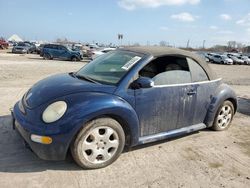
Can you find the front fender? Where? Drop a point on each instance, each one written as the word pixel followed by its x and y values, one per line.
pixel 90 105
pixel 222 93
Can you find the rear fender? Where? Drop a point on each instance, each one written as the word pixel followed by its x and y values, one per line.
pixel 222 93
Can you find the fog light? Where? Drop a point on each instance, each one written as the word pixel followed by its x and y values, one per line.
pixel 41 139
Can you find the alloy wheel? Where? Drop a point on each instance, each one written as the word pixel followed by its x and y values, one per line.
pixel 100 144
pixel 224 117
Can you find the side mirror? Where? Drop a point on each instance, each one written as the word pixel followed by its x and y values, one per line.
pixel 142 82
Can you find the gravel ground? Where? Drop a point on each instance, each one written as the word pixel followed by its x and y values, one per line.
pixel 202 159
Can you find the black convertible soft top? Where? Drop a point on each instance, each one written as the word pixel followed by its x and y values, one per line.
pixel 157 51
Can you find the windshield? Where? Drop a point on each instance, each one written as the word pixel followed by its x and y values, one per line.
pixel 109 68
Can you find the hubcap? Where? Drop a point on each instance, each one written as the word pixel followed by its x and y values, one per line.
pixel 100 144
pixel 224 116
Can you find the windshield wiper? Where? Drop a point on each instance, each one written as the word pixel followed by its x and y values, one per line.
pixel 86 78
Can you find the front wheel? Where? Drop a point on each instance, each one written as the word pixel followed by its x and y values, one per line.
pixel 98 144
pixel 74 59
pixel 224 116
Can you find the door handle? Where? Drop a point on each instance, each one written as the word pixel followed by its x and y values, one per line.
pixel 191 92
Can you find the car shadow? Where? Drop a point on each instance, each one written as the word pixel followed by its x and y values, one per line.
pixel 243 106
pixel 16 158
pixel 36 58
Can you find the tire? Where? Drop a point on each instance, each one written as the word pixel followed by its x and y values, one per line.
pixel 98 144
pixel 46 56
pixel 224 116
pixel 74 58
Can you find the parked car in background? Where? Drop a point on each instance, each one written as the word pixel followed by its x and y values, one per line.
pixel 12 43
pixel 246 59
pixel 236 60
pixel 77 47
pixel 203 56
pixel 51 51
pixel 33 48
pixel 91 48
pixel 22 48
pixel 126 97
pixel 222 59
pixel 210 56
pixel 96 53
pixel 39 48
pixel 3 44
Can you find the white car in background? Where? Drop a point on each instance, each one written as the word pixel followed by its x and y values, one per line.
pixel 210 56
pixel 96 53
pixel 236 60
pixel 245 59
pixel 221 59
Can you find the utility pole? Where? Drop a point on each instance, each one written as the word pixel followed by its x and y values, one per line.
pixel 188 43
pixel 204 41
pixel 120 37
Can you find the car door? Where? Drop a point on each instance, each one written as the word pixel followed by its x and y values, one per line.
pixel 54 50
pixel 204 89
pixel 63 53
pixel 168 104
pixel 217 58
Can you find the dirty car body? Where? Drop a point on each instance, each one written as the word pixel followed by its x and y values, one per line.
pixel 150 100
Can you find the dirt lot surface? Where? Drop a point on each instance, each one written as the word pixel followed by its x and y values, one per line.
pixel 202 159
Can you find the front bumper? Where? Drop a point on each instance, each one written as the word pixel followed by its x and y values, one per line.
pixel 57 150
pixel 19 51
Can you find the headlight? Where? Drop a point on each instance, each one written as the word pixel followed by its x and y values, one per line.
pixel 54 111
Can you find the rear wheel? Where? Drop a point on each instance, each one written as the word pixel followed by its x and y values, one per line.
pixel 46 56
pixel 98 144
pixel 224 116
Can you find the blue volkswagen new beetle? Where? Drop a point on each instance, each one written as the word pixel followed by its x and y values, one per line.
pixel 126 97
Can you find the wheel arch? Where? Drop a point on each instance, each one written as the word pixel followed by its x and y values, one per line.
pixel 223 93
pixel 234 102
pixel 125 127
pixel 105 105
pixel 124 124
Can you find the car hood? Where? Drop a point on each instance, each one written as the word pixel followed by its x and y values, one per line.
pixel 61 85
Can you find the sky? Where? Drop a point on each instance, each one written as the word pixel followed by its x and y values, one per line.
pixel 140 21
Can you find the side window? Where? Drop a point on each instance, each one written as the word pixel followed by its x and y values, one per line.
pixel 197 72
pixel 56 47
pixel 61 48
pixel 167 70
pixel 52 46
